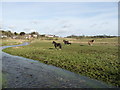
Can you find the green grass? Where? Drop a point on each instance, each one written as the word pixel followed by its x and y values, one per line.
pixel 99 61
pixel 0 80
pixel 4 81
pixel 5 42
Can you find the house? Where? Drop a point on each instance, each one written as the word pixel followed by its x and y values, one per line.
pixel 14 37
pixel 3 36
pixel 34 36
pixel 28 36
pixel 31 36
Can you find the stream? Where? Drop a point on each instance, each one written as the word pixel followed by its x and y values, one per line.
pixel 19 72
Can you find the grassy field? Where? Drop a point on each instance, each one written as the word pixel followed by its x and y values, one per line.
pixel 5 42
pixel 99 61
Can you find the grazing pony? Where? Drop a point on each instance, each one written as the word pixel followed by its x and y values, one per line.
pixel 57 45
pixel 90 42
pixel 66 42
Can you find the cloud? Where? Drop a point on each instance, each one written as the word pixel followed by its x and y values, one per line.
pixel 11 26
pixel 35 21
pixel 62 31
pixel 74 25
pixel 70 18
pixel 100 24
pixel 93 25
pixel 1 26
pixel 28 30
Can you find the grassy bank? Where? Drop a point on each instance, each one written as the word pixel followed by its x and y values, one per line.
pixel 99 61
pixel 5 42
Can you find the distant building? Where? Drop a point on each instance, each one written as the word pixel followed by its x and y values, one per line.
pixel 14 37
pixel 3 36
pixel 31 36
pixel 34 35
pixel 28 36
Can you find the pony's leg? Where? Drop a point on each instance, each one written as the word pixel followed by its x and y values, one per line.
pixel 55 46
pixel 60 47
pixel 89 43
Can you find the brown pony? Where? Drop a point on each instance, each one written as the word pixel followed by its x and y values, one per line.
pixel 91 42
pixel 66 42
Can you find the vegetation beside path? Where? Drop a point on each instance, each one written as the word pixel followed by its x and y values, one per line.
pixel 99 61
pixel 6 42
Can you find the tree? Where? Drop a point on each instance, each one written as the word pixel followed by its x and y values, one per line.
pixel 9 33
pixel 15 33
pixel 34 33
pixel 22 33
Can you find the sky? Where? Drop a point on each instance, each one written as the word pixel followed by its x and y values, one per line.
pixel 60 18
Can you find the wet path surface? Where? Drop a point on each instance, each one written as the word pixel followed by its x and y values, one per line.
pixel 26 73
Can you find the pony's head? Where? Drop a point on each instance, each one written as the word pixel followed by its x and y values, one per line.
pixel 92 40
pixel 53 42
pixel 63 40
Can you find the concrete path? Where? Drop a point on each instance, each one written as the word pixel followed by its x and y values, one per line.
pixel 21 72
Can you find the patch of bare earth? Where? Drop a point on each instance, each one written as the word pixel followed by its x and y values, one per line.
pixel 17 47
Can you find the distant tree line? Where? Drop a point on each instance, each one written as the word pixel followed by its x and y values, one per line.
pixel 10 34
pixel 97 36
pixel 103 36
pixel 74 36
pixel 7 33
